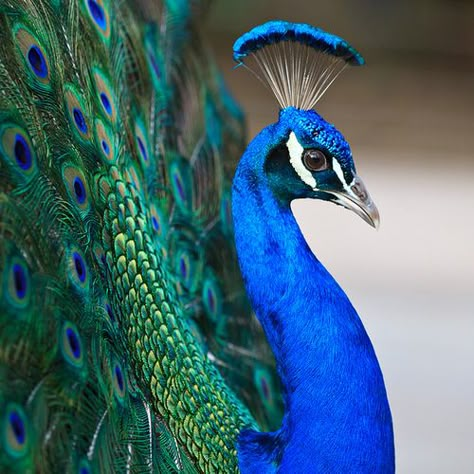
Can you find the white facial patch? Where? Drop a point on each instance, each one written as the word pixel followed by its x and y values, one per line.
pixel 340 174
pixel 295 151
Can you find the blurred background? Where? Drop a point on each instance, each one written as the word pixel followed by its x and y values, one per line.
pixel 409 117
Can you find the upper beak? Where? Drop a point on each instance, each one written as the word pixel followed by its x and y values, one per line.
pixel 356 198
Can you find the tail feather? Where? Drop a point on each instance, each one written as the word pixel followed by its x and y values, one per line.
pixel 126 340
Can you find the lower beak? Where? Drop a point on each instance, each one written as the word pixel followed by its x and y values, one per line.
pixel 356 198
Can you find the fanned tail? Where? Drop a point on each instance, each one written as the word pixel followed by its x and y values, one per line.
pixel 126 341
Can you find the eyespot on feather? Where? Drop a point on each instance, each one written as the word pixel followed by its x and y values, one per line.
pixel 153 53
pixel 76 112
pixel 105 142
pixel 77 270
pixel 84 467
pixel 211 295
pixel 105 95
pixel 264 385
pixel 16 146
pixel 185 268
pixel 18 283
pixel 15 431
pixel 34 56
pixel 77 187
pixel 142 146
pixel 119 381
pixel 79 266
pixel 158 223
pixel 181 184
pixel 71 345
pixel 99 15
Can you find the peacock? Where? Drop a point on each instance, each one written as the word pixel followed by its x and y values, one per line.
pixel 160 310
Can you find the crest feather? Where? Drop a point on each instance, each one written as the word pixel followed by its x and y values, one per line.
pixel 298 62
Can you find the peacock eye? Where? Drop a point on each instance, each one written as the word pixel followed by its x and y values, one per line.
pixel 315 160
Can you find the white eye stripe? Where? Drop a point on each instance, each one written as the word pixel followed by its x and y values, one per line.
pixel 295 151
pixel 340 174
pixel 338 170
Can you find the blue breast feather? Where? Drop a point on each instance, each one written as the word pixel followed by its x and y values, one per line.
pixel 337 417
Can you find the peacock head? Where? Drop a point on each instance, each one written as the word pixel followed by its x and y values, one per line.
pixel 305 155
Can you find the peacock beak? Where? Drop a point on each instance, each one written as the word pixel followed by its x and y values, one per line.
pixel 355 197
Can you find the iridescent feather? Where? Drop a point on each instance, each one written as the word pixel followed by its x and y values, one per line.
pixel 127 343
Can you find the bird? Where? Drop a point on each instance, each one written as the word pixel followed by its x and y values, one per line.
pixel 160 310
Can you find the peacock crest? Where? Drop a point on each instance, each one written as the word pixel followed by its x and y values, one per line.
pixel 296 61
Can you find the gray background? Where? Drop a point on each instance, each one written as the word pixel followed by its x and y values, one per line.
pixel 409 118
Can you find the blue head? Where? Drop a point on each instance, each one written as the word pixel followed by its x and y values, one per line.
pixel 302 155
pixel 308 157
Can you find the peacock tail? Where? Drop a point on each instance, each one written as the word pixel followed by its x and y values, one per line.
pixel 127 343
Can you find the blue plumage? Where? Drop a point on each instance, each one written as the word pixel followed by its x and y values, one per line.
pixel 337 417
pixel 311 127
pixel 279 31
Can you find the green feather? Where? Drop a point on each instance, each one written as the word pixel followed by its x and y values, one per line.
pixel 127 343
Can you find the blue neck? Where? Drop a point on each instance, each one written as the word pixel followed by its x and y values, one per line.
pixel 337 417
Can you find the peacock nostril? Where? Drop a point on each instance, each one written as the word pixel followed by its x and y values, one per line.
pixel 359 191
